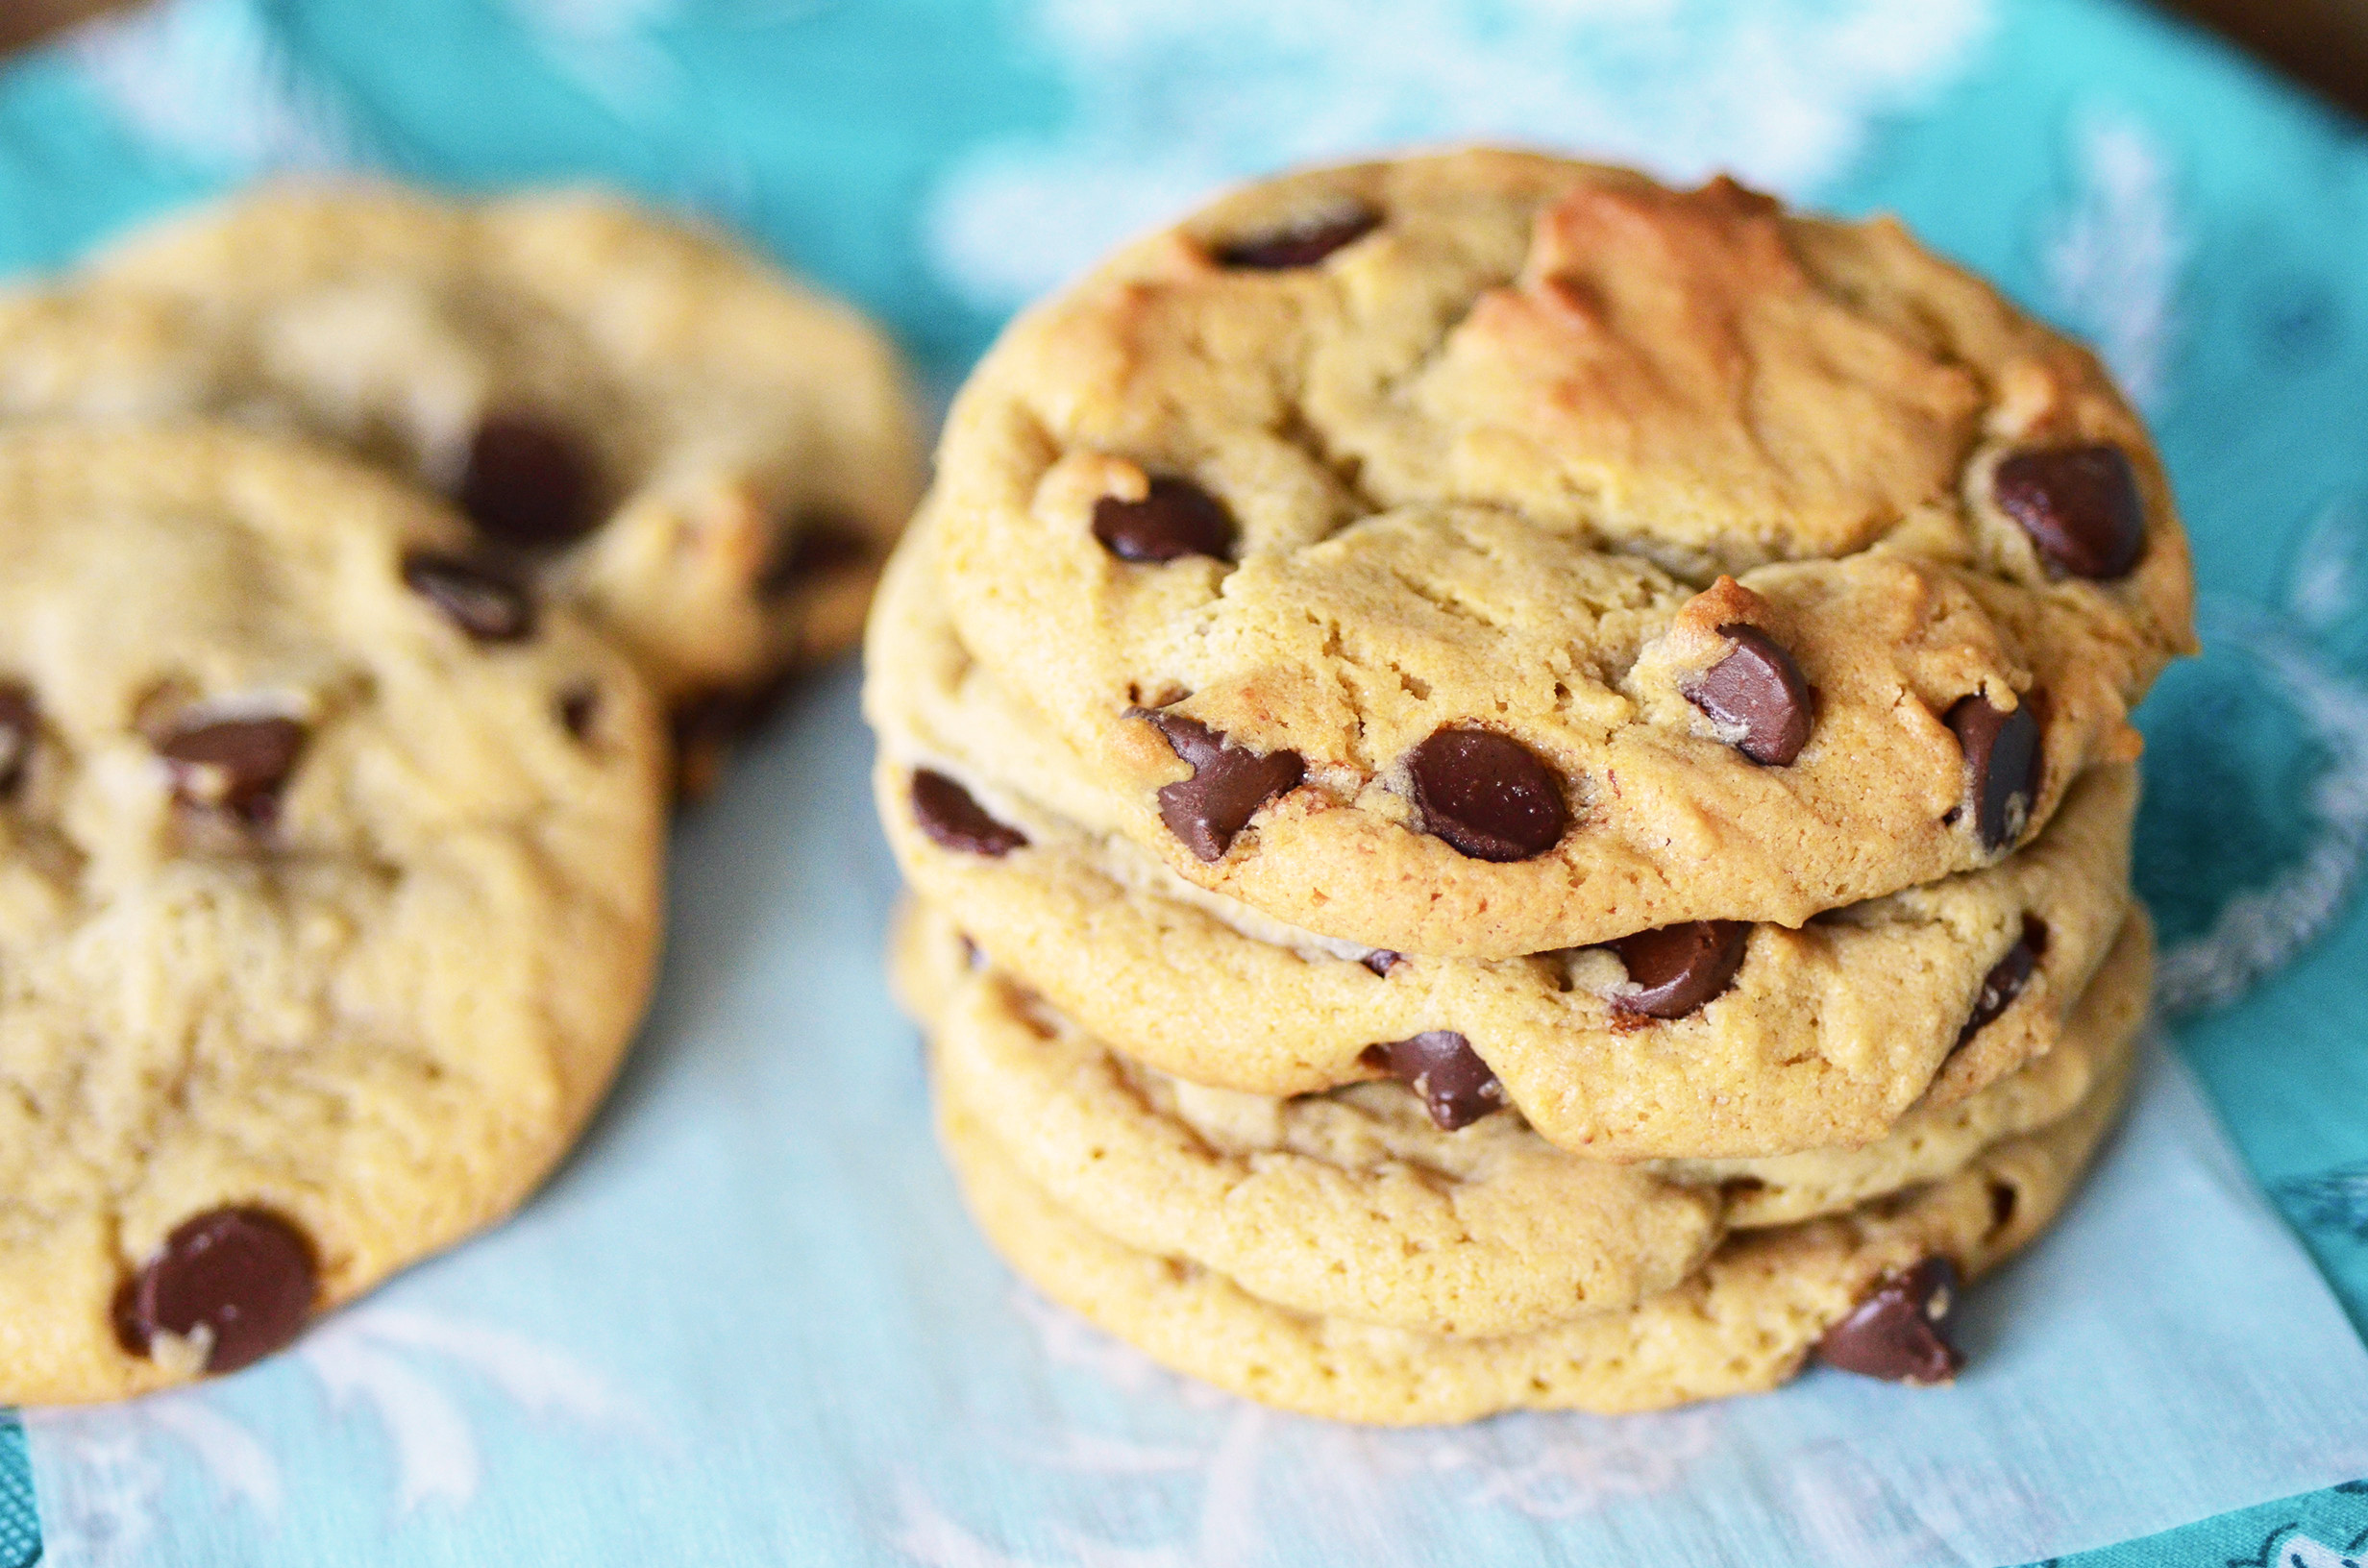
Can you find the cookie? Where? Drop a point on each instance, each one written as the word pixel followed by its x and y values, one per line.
pixel 701 455
pixel 1933 1138
pixel 1766 1040
pixel 1870 1290
pixel 1355 1205
pixel 329 895
pixel 1556 555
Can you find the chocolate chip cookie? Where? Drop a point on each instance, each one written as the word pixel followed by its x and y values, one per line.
pixel 1871 1290
pixel 329 893
pixel 1356 1205
pixel 1485 555
pixel 1709 1039
pixel 657 428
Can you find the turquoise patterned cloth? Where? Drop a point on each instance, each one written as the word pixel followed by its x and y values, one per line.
pixel 747 1324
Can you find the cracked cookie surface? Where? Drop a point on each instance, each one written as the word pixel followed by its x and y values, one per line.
pixel 705 457
pixel 329 895
pixel 1555 555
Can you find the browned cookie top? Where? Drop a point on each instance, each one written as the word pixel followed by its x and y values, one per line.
pixel 1488 554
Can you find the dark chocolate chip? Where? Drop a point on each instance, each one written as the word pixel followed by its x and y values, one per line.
pixel 577 708
pixel 1757 689
pixel 245 1275
pixel 482 602
pixel 2002 764
pixel 953 820
pixel 1382 962
pixel 1228 785
pixel 2006 979
pixel 815 544
pixel 1439 1066
pixel 1176 517
pixel 528 484
pixel 20 724
pixel 1302 244
pixel 2080 505
pixel 2002 1201
pixel 1486 794
pixel 1680 967
pixel 1900 1332
pixel 236 766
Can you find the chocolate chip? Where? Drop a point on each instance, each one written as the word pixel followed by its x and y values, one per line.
pixel 1301 244
pixel 527 484
pixel 1176 517
pixel 953 820
pixel 481 601
pixel 1680 967
pixel 1383 962
pixel 1228 785
pixel 2002 1201
pixel 815 544
pixel 2006 979
pixel 2001 762
pixel 20 724
pixel 1758 689
pixel 1900 1332
pixel 245 1275
pixel 577 708
pixel 1439 1066
pixel 2080 505
pixel 236 766
pixel 1486 794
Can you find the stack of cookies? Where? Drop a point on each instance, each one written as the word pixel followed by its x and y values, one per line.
pixel 356 549
pixel 1519 788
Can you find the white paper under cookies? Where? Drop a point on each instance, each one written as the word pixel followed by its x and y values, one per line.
pixel 750 1325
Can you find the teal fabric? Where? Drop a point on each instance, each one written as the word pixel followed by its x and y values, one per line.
pixel 20 1524
pixel 938 160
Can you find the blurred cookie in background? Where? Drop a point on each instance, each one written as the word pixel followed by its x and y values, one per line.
pixel 644 419
pixel 330 880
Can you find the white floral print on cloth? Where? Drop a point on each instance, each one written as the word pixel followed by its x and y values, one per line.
pixel 1779 93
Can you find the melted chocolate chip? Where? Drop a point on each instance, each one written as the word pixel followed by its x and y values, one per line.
pixel 1228 785
pixel 1176 517
pixel 1900 1331
pixel 1383 962
pixel 484 603
pixel 20 724
pixel 1680 967
pixel 2002 1202
pixel 528 484
pixel 945 812
pixel 2006 979
pixel 2080 505
pixel 1758 689
pixel 244 1276
pixel 1439 1066
pixel 2002 760
pixel 1301 244
pixel 816 544
pixel 1486 794
pixel 236 766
